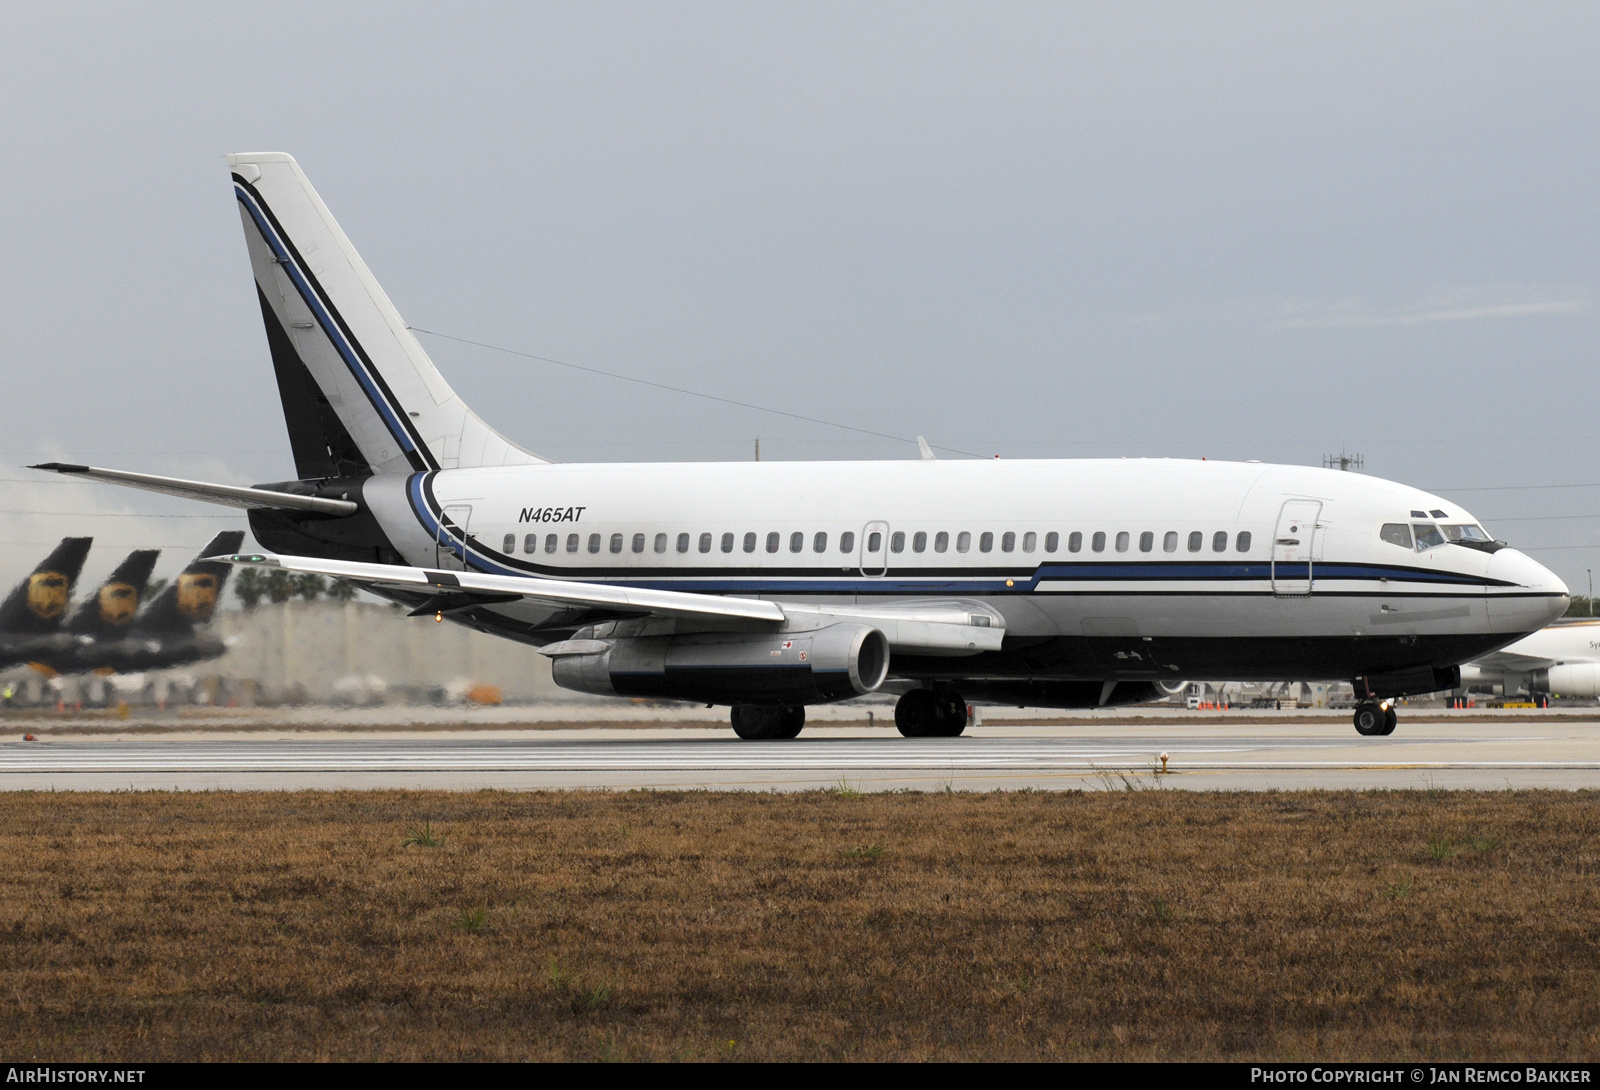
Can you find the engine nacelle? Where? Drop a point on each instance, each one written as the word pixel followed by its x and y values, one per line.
pixel 832 663
pixel 1567 679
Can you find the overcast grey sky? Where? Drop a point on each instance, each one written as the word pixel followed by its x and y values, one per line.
pixel 1058 230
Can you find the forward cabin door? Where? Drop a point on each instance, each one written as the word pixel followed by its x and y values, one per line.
pixel 1295 548
pixel 449 553
pixel 875 549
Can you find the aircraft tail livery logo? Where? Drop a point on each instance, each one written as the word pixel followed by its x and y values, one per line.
pixel 47 594
pixel 118 603
pixel 197 595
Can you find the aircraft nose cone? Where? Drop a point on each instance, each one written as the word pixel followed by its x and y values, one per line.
pixel 1527 612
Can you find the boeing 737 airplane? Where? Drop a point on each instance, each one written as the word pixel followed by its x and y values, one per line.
pixel 769 586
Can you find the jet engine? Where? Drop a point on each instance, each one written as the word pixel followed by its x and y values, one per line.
pixel 815 667
pixel 1567 679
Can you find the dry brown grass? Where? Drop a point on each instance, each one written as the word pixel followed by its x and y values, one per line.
pixel 706 926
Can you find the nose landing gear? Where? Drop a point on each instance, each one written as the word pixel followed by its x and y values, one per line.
pixel 923 713
pixel 1375 718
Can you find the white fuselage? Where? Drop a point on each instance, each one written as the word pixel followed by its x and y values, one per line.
pixel 1121 550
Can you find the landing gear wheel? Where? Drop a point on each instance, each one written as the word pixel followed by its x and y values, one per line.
pixel 1370 719
pixel 923 713
pixel 952 715
pixel 760 722
pixel 1390 719
pixel 916 714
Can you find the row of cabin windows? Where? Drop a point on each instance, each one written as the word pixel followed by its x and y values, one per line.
pixel 897 542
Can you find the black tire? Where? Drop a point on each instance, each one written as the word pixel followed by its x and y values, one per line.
pixel 1390 720
pixel 760 722
pixel 952 716
pixel 1369 719
pixel 791 722
pixel 916 714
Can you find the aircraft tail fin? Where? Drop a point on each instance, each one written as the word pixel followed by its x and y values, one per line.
pixel 38 604
pixel 112 609
pixel 194 595
pixel 360 396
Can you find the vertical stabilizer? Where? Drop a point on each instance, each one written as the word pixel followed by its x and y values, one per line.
pixel 39 603
pixel 359 394
pixel 193 597
pixel 108 614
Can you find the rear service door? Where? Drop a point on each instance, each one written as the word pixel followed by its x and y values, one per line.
pixel 1295 547
pixel 449 552
pixel 875 549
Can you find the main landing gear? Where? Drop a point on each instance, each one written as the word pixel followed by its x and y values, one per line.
pixel 923 713
pixel 760 722
pixel 1375 717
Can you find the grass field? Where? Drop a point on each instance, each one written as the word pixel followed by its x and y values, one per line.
pixel 396 925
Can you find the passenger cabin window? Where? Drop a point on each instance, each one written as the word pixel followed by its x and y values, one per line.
pixel 797 541
pixel 1428 535
pixel 1219 541
pixel 750 541
pixel 1008 542
pixel 874 541
pixel 847 542
pixel 819 544
pixel 727 542
pixel 986 542
pixel 1075 542
pixel 509 545
pixel 616 542
pixel 941 541
pixel 638 543
pixel 1242 543
pixel 1098 542
pixel 551 541
pixel 705 543
pixel 1197 541
pixel 1147 541
pixel 1396 533
pixel 919 542
pixel 1169 544
pixel 1029 541
pixel 661 543
pixel 530 543
pixel 683 544
pixel 897 541
pixel 572 543
pixel 774 539
pixel 963 541
pixel 594 543
pixel 1122 541
pixel 1052 541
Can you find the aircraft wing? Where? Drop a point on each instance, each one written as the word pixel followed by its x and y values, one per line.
pixel 1510 660
pixel 453 590
pixel 950 627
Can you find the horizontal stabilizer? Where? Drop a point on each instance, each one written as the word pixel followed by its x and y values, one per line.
pixel 225 494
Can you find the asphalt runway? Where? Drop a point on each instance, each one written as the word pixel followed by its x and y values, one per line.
pixel 1559 753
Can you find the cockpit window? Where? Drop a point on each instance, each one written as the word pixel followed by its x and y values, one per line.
pixel 1428 535
pixel 1396 533
pixel 1465 531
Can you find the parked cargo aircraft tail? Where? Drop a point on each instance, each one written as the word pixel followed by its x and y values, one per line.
pixel 112 609
pixel 193 596
pixel 38 604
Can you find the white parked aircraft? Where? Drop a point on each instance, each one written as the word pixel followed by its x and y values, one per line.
pixel 1562 660
pixel 769 586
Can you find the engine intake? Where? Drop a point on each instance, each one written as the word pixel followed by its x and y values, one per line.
pixel 832 663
